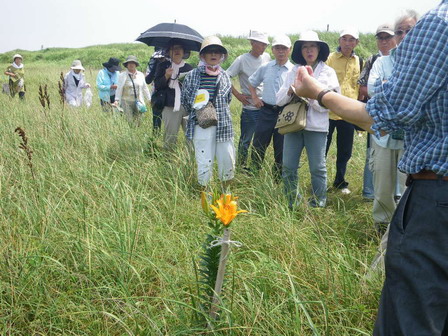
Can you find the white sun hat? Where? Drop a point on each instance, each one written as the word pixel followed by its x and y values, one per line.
pixel 258 36
pixel 283 40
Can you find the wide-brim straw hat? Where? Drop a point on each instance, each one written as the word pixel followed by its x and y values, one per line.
pixel 17 56
pixel 131 58
pixel 113 64
pixel 215 42
pixel 309 36
pixel 77 65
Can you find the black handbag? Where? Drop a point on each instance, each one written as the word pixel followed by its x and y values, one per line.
pixel 158 99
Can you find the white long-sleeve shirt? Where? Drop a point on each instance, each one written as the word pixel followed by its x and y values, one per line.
pixel 317 116
pixel 125 90
pixel 73 92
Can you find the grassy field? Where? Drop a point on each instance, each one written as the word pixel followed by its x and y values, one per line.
pixel 101 234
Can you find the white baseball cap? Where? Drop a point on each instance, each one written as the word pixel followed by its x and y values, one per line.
pixel 350 31
pixel 281 40
pixel 258 36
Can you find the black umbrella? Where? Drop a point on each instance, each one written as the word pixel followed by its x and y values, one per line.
pixel 165 34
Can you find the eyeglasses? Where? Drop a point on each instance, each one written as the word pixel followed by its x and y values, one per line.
pixel 401 32
pixel 384 38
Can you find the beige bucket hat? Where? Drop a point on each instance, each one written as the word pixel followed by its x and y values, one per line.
pixel 213 42
pixel 77 65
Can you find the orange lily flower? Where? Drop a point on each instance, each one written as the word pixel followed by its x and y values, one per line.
pixel 226 209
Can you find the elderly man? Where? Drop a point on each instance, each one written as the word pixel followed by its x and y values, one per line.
pixel 385 42
pixel 272 75
pixel 387 150
pixel 414 300
pixel 348 68
pixel 243 67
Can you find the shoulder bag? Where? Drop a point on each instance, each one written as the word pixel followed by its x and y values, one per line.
pixel 293 116
pixel 207 115
pixel 141 107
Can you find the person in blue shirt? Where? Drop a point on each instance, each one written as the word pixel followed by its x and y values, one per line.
pixel 106 82
pixel 414 299
pixel 271 75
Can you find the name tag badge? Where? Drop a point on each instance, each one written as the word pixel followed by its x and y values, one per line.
pixel 201 99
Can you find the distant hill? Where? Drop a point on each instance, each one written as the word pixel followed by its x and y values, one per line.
pixel 94 56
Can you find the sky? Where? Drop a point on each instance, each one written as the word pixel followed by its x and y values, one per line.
pixel 33 24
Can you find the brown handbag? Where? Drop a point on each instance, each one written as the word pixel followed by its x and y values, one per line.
pixel 207 115
pixel 293 116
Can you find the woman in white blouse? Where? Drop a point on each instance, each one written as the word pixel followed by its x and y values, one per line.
pixel 308 50
pixel 74 83
pixel 131 89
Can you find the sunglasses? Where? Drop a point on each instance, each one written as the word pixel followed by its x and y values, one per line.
pixel 213 50
pixel 401 32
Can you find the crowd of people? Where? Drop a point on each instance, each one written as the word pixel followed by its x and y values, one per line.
pixel 393 94
pixel 265 86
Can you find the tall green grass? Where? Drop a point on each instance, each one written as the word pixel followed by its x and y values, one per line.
pixel 102 241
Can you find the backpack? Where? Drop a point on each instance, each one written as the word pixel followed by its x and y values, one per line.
pixel 155 59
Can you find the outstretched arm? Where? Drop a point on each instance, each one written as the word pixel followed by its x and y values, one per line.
pixel 348 109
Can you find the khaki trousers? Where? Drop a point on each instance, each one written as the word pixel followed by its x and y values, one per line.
pixel 385 175
pixel 171 123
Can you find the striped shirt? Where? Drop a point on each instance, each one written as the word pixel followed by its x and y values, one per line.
pixel 191 85
pixel 208 83
pixel 416 96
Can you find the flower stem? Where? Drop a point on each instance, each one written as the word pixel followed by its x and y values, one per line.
pixel 221 270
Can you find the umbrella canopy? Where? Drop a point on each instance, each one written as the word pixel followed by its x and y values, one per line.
pixel 163 34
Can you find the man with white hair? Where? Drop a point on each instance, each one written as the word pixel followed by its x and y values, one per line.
pixel 387 149
pixel 272 75
pixel 385 42
pixel 243 67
